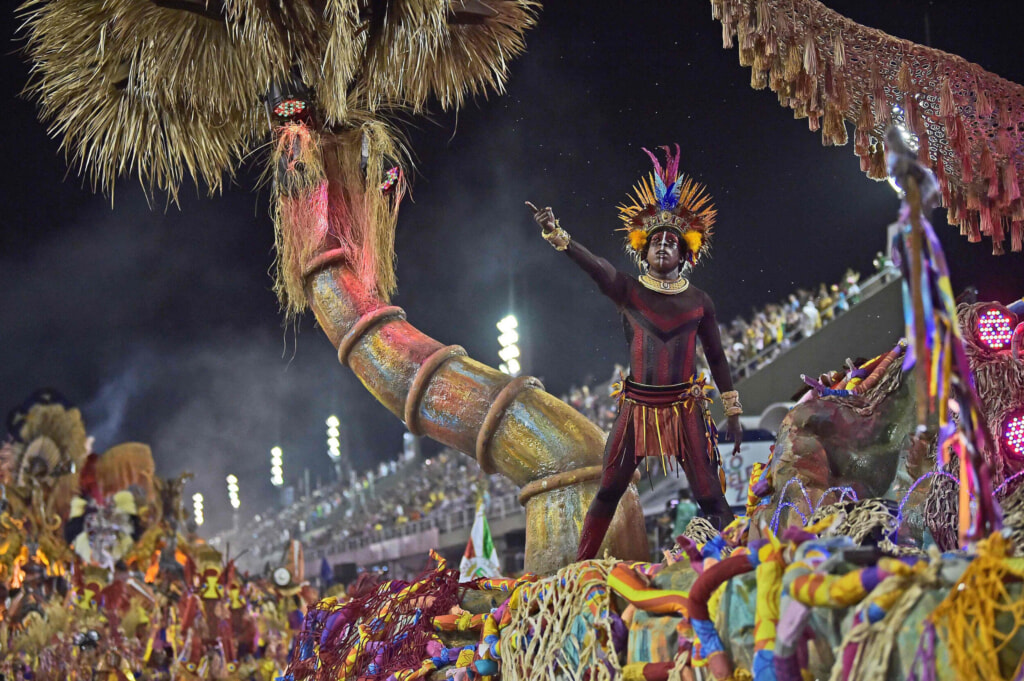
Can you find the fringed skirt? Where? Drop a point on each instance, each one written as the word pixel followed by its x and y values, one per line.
pixel 671 422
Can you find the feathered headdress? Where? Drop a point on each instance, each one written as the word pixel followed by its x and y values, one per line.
pixel 668 199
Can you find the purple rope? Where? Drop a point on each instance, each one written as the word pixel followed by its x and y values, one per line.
pixel 843 492
pixel 1006 482
pixel 925 655
pixel 778 509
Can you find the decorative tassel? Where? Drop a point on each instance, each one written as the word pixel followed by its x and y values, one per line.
pixel 794 61
pixel 865 127
pixel 810 54
pixel 1006 120
pixel 912 110
pixel 834 127
pixel 762 60
pixel 1017 210
pixel 987 169
pixel 813 121
pixel 771 42
pixel 973 233
pixel 777 77
pixel 799 107
pixel 985 213
pixel 838 50
pixel 973 201
pixel 1016 235
pixel 758 79
pixel 1004 145
pixel 982 105
pixel 903 80
pixel 877 169
pixel 880 105
pixel 958 143
pixel 947 103
pixel 727 33
pixel 763 15
pixel 745 33
pixel 998 233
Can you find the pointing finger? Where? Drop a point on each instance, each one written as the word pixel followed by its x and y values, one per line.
pixel 532 207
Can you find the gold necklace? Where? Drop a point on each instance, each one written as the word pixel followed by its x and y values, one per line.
pixel 666 287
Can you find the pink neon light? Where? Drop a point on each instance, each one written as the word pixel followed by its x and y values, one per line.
pixel 1013 434
pixel 995 329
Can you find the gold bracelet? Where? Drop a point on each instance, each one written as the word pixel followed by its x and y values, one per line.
pixel 731 402
pixel 558 237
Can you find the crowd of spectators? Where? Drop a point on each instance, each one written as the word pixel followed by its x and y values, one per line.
pixel 400 491
pixel 751 343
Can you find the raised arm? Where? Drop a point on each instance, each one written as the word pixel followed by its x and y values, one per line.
pixel 610 281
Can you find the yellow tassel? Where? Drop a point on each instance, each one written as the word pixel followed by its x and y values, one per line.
pixel 694 240
pixel 637 239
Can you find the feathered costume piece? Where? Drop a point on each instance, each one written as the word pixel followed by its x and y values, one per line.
pixel 668 199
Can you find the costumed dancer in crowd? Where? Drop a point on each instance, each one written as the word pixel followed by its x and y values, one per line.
pixel 662 404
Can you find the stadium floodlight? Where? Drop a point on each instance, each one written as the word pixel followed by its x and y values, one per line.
pixel 509 352
pixel 233 491
pixel 333 433
pixel 508 323
pixel 276 467
pixel 197 508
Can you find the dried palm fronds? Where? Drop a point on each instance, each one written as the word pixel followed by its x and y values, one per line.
pixel 445 48
pixel 329 195
pixel 111 81
pixel 134 87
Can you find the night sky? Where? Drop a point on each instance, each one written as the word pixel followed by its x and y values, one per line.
pixel 160 322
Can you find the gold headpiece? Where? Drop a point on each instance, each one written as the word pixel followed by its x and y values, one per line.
pixel 667 199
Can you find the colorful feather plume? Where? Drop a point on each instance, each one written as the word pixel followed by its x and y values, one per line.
pixel 668 199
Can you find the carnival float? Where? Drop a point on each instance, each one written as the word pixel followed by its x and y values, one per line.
pixel 882 540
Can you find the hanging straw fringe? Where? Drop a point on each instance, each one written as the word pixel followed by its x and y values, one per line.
pixel 350 210
pixel 831 70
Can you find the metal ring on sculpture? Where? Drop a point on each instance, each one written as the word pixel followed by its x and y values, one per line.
pixel 564 479
pixel 421 381
pixel 365 323
pixel 497 409
pixel 323 260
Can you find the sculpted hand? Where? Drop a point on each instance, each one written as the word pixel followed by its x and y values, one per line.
pixel 734 432
pixel 545 218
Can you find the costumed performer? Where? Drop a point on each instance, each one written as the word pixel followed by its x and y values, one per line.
pixel 662 404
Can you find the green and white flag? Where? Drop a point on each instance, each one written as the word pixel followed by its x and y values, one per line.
pixel 480 559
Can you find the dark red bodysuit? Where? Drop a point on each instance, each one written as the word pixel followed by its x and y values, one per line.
pixel 661 331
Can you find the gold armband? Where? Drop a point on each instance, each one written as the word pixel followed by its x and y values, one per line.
pixel 731 402
pixel 558 237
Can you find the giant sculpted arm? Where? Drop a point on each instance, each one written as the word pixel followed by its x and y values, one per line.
pixel 711 340
pixel 610 281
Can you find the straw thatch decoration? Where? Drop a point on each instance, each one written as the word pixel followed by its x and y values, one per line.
pixel 169 90
pixel 136 88
pixel 831 70
pixel 329 196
